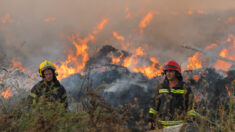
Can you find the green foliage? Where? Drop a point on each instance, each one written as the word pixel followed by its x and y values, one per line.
pixel 93 114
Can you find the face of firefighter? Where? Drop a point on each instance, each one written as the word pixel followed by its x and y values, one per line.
pixel 171 75
pixel 48 74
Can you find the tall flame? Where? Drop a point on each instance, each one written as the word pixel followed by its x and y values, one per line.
pixel 194 62
pixel 6 94
pixel 76 62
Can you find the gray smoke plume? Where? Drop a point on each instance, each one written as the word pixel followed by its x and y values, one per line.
pixel 35 30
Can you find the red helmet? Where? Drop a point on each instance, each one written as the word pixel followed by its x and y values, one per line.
pixel 172 65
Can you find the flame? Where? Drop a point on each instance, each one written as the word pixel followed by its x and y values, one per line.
pixel 224 53
pixel 50 19
pixel 128 13
pixel 194 62
pixel 18 65
pixel 76 61
pixel 5 18
pixel 100 26
pixel 228 52
pixel 150 71
pixel 201 11
pixel 139 52
pixel 118 37
pixel 227 88
pixel 222 65
pixel 127 62
pixel 124 45
pixel 116 60
pixel 229 20
pixel 6 94
pixel 211 46
pixel 190 12
pixel 145 21
pixel 230 38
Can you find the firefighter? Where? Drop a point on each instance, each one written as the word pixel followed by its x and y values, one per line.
pixel 173 103
pixel 49 89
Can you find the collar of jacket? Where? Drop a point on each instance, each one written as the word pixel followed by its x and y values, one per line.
pixel 49 84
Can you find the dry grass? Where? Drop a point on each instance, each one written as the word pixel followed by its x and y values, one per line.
pixel 94 114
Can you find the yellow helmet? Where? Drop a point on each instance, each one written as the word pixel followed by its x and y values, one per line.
pixel 45 65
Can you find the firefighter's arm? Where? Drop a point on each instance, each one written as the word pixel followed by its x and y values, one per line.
pixel 32 98
pixel 152 114
pixel 153 110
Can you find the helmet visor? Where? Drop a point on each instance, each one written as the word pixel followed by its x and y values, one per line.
pixel 170 67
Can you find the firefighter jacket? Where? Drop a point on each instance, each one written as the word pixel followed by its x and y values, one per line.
pixel 49 91
pixel 172 105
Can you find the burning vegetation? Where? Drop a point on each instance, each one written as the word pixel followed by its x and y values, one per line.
pixel 110 65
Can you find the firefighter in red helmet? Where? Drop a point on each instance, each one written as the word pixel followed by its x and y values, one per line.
pixel 173 102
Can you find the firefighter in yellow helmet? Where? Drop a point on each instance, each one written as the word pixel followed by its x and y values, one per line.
pixel 49 88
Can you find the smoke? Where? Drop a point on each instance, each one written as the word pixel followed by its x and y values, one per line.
pixel 124 84
pixel 2 53
pixel 37 30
